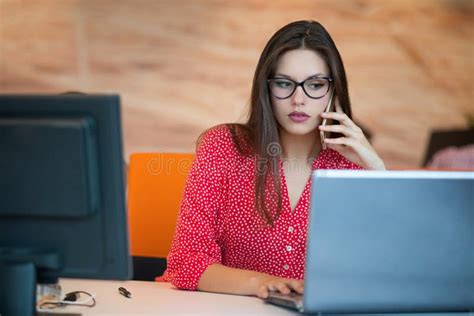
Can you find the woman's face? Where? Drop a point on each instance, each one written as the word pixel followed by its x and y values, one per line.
pixel 299 114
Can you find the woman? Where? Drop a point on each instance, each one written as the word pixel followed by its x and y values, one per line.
pixel 243 219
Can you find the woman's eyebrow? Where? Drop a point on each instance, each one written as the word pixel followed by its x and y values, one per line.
pixel 318 75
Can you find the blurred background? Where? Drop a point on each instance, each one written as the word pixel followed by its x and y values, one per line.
pixel 183 66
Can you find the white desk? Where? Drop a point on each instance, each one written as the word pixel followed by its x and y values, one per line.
pixel 152 298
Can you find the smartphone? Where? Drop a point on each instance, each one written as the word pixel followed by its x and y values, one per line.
pixel 325 121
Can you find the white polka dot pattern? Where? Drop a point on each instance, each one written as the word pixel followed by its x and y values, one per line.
pixel 218 222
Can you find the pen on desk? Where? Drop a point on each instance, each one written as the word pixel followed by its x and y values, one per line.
pixel 125 292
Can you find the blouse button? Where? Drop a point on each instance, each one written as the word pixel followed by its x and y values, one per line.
pixel 286 267
pixel 290 229
pixel 289 248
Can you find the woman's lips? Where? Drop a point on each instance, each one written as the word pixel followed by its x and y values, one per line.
pixel 298 117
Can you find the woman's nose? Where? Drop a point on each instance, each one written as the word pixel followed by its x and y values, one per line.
pixel 298 96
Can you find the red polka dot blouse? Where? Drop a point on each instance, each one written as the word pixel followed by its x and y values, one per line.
pixel 218 223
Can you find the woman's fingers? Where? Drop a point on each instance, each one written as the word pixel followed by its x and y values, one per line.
pixel 271 287
pixel 341 117
pixel 297 286
pixel 284 286
pixel 349 132
pixel 262 292
pixel 340 141
pixel 354 146
pixel 287 285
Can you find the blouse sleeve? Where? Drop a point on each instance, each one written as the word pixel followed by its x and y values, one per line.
pixel 195 245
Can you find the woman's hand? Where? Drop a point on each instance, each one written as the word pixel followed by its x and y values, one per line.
pixel 270 283
pixel 354 145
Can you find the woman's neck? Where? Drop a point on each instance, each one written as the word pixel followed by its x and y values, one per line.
pixel 300 147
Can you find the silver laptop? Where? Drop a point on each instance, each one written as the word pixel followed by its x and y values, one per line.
pixel 388 241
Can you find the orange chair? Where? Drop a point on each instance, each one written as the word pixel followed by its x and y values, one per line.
pixel 155 188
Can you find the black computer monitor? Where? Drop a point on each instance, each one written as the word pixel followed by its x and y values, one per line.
pixel 62 205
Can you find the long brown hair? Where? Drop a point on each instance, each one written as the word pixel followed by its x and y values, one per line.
pixel 261 129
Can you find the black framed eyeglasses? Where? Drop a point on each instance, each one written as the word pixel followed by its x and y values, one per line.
pixel 313 87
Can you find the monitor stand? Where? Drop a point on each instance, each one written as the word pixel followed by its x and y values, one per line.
pixel 20 270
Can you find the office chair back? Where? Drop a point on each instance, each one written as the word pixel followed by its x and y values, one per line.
pixel 155 188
